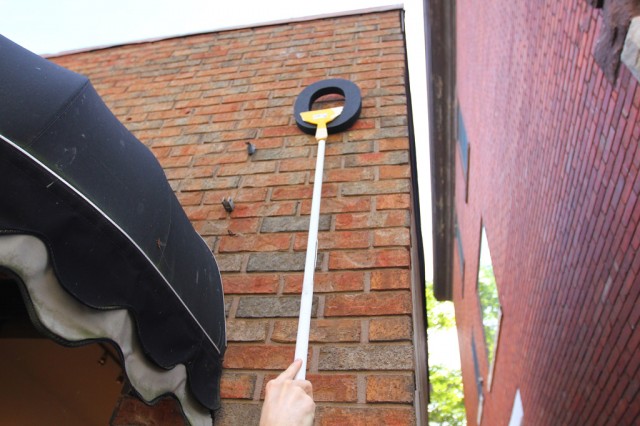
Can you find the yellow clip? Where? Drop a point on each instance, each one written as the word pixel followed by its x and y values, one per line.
pixel 320 118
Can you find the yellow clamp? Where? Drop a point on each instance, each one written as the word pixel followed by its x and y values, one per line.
pixel 320 118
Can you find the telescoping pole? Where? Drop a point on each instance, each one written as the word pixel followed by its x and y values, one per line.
pixel 306 300
pixel 320 118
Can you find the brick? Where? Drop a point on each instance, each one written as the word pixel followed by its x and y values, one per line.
pixel 301 192
pixel 389 329
pixel 190 198
pixel 161 152
pixel 334 387
pixel 366 357
pixel 339 205
pixel 322 330
pixel 264 209
pixel 391 237
pixel 335 240
pixel 252 242
pixel 293 224
pixel 334 416
pixel 237 386
pixel 279 131
pixel 186 172
pixel 390 279
pixel 258 357
pixel 272 307
pixel 234 226
pixel 391 258
pixel 242 97
pixel 348 175
pixel 170 162
pixel 364 135
pixel 393 202
pixel 298 164
pixel 250 283
pixel 327 282
pixel 183 150
pixel 394 144
pixel 229 262
pixel 395 172
pixel 385 219
pixel 234 413
pixel 390 388
pixel 246 330
pixel 364 304
pixel 377 158
pixel 163 133
pixel 208 184
pixel 215 159
pixel 278 179
pixel 351 147
pixel 375 188
pixel 247 169
pixel 205 212
pixel 280 154
pixel 242 195
pixel 279 262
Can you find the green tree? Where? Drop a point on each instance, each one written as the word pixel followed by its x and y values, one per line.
pixel 440 315
pixel 490 305
pixel 446 405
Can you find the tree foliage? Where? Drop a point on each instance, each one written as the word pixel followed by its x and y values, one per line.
pixel 447 399
pixel 440 315
pixel 446 406
pixel 490 305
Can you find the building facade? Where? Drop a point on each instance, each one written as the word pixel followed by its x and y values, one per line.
pixel 536 167
pixel 199 102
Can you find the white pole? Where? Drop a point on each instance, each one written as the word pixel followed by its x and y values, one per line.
pixel 306 299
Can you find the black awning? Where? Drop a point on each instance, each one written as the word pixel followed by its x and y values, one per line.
pixel 116 237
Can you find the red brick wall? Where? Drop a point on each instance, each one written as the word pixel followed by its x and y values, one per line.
pixel 196 101
pixel 554 178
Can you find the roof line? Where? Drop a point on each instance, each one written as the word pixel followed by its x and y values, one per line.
pixel 375 9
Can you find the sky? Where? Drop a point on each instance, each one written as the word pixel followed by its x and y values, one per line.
pixel 55 26
pixel 47 27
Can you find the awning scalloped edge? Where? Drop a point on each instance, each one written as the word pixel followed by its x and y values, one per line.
pixel 77 324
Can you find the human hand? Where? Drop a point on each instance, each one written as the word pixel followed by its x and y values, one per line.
pixel 288 402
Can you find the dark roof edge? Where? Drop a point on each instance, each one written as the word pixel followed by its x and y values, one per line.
pixel 441 83
pixel 291 20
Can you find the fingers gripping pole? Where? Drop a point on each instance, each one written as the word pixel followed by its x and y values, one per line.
pixel 306 300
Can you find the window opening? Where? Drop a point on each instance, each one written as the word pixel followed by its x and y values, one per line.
pixel 490 308
pixel 465 151
pixel 517 412
pixel 460 251
pixel 479 380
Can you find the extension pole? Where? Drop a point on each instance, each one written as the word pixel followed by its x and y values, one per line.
pixel 306 299
pixel 320 118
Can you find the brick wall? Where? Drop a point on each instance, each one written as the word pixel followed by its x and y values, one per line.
pixel 196 101
pixel 554 178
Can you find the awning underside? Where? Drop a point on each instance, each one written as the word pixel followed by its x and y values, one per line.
pixel 67 321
